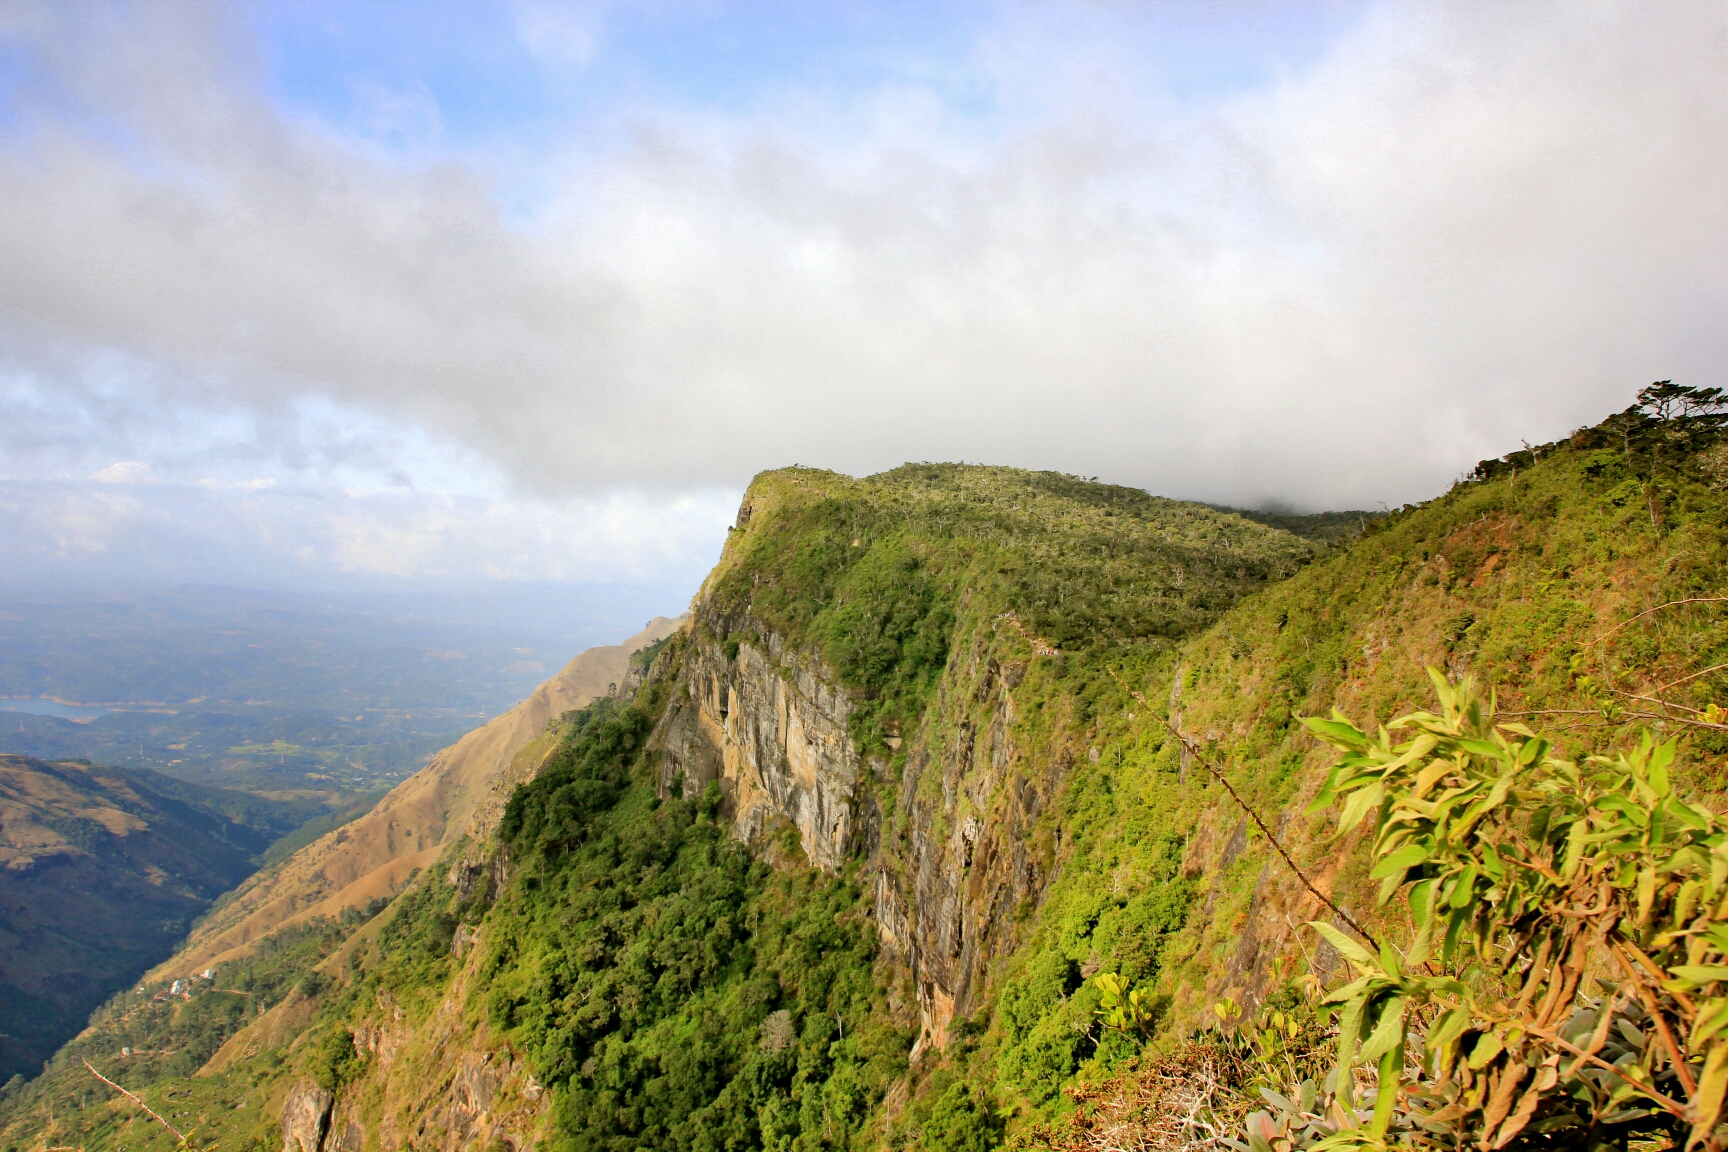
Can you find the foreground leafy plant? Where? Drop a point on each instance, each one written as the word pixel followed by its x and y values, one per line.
pixel 1526 875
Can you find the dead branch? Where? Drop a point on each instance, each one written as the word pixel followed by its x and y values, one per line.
pixel 1694 676
pixel 1648 611
pixel 1218 775
pixel 154 1115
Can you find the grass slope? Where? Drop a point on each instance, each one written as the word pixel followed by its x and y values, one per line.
pixel 674 991
pixel 1581 582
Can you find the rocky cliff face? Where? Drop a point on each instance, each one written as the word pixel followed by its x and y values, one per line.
pixel 770 726
pixel 969 855
pixel 959 858
pixel 441 1083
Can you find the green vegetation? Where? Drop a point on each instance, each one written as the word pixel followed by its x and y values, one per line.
pixel 104 872
pixel 1328 529
pixel 685 994
pixel 671 988
pixel 153 1042
pixel 1525 872
pixel 1574 579
pixel 881 575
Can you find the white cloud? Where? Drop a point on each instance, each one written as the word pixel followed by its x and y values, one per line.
pixel 125 472
pixel 560 33
pixel 1465 225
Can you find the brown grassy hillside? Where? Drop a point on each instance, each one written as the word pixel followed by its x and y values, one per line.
pixel 374 856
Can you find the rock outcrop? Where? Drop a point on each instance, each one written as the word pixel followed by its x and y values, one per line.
pixel 770 726
pixel 306 1117
pixel 947 894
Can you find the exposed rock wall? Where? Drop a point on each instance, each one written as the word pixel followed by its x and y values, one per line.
pixel 967 856
pixel 440 1083
pixel 770 725
pixel 306 1117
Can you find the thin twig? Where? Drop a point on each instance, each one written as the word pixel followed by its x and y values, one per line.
pixel 1252 815
pixel 1656 701
pixel 1694 676
pixel 1673 1107
pixel 138 1101
pixel 1658 608
pixel 1044 649
pixel 1679 720
pixel 1610 722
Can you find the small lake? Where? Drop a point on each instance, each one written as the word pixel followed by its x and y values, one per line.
pixel 45 707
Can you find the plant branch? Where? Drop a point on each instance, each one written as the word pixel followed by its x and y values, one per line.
pixel 1252 815
pixel 1655 1010
pixel 1658 608
pixel 1694 676
pixel 154 1115
pixel 1673 1107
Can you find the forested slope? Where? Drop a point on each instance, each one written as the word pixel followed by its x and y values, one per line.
pixel 843 863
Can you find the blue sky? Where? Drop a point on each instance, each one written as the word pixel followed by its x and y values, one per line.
pixel 529 290
pixel 476 78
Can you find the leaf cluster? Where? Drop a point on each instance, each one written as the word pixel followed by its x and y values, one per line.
pixel 1526 874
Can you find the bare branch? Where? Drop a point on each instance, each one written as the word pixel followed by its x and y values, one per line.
pixel 1658 608
pixel 154 1115
pixel 1218 775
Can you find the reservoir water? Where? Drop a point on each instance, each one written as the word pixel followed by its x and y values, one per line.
pixel 45 707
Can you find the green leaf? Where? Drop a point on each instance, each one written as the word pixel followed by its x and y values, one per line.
pixel 1489 1046
pixel 1707 1102
pixel 1401 861
pixel 1695 975
pixel 1575 840
pixel 1358 806
pixel 1386 1097
pixel 1351 950
pixel 1448 1028
pixel 1712 1018
pixel 1660 758
pixel 1388 1028
pixel 1422 902
pixel 1340 733
pixel 1464 889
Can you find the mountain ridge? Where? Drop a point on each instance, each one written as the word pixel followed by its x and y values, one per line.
pixel 842 863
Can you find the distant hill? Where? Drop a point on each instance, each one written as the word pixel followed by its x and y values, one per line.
pixel 863 854
pixel 339 694
pixel 102 871
pixel 374 856
pixel 1328 529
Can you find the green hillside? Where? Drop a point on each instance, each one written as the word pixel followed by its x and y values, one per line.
pixel 102 871
pixel 1006 649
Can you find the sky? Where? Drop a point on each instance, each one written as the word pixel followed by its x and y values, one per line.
pixel 308 294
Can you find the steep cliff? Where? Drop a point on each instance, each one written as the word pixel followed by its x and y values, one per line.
pixel 854 667
pixel 839 865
